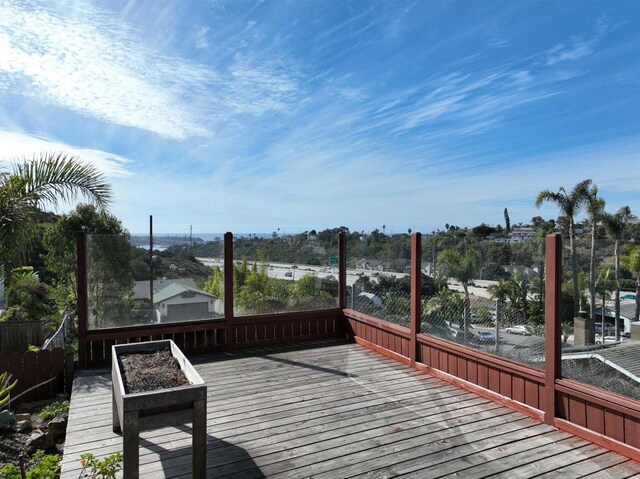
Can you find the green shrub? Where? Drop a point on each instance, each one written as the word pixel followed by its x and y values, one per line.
pixel 41 466
pixel 54 409
pixel 107 468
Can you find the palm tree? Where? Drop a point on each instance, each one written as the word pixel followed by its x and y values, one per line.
pixel 615 225
pixel 569 205
pixel 50 178
pixel 604 284
pixel 632 263
pixel 595 209
pixel 461 267
pixel 499 292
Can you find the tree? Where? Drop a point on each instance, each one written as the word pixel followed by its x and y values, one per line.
pixel 499 292
pixel 438 310
pixel 595 209
pixel 215 283
pixel 615 225
pixel 50 178
pixel 27 297
pixel 569 205
pixel 461 267
pixel 60 244
pixel 507 221
pixel 632 263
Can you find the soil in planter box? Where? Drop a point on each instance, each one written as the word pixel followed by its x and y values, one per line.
pixel 142 372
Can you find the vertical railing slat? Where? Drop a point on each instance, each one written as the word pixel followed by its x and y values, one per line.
pixel 416 265
pixel 229 333
pixel 83 302
pixel 553 323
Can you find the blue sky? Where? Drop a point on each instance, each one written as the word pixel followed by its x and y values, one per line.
pixel 252 116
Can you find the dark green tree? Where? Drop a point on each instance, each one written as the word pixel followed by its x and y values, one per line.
pixel 507 221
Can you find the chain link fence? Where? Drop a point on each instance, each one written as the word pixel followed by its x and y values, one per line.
pixel 487 294
pixel 599 349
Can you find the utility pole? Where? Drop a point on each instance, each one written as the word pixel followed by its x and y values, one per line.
pixel 151 260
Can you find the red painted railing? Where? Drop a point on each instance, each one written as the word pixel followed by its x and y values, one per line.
pixel 594 414
pixel 597 415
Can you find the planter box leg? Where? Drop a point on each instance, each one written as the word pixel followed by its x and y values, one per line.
pixel 130 446
pixel 115 420
pixel 199 438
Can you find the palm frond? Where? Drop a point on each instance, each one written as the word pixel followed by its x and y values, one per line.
pixel 56 177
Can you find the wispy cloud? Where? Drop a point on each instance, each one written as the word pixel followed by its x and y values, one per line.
pixel 201 38
pixel 93 63
pixel 97 66
pixel 19 146
pixel 574 50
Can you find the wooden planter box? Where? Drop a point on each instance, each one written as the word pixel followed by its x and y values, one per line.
pixel 137 412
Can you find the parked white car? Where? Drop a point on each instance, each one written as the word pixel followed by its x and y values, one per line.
pixel 519 329
pixel 607 339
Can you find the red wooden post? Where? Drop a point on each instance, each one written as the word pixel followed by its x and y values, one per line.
pixel 553 323
pixel 342 270
pixel 83 301
pixel 416 267
pixel 229 336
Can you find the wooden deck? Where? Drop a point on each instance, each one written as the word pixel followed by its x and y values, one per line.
pixel 332 409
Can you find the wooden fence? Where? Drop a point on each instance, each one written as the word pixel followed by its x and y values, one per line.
pixel 17 336
pixel 232 332
pixel 594 414
pixel 600 416
pixel 41 375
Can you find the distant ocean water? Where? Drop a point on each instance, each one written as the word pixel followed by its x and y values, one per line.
pixel 159 245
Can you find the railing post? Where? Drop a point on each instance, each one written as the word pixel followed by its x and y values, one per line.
pixel 83 300
pixel 342 270
pixel 416 267
pixel 553 323
pixel 229 334
pixel 342 326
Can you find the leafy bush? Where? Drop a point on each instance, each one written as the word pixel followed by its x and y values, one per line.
pixel 41 466
pixel 54 409
pixel 107 468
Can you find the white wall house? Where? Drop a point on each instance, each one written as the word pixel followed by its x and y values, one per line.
pixel 178 302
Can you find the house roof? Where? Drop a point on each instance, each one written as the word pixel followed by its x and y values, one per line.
pixel 374 299
pixel 624 357
pixel 141 288
pixel 176 289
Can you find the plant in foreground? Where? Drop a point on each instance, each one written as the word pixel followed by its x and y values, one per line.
pixel 41 466
pixel 5 388
pixel 107 468
pixel 54 409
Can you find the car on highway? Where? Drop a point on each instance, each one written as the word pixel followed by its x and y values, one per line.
pixel 519 329
pixel 288 274
pixel 628 296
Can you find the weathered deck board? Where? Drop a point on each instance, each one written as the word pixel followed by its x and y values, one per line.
pixel 337 410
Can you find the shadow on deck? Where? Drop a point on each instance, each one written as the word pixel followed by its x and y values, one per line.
pixel 334 409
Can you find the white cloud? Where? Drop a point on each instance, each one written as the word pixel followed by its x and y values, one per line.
pixel 96 65
pixel 576 49
pixel 201 38
pixel 18 146
pixel 93 63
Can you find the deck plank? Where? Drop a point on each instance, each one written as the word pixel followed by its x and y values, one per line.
pixel 333 409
